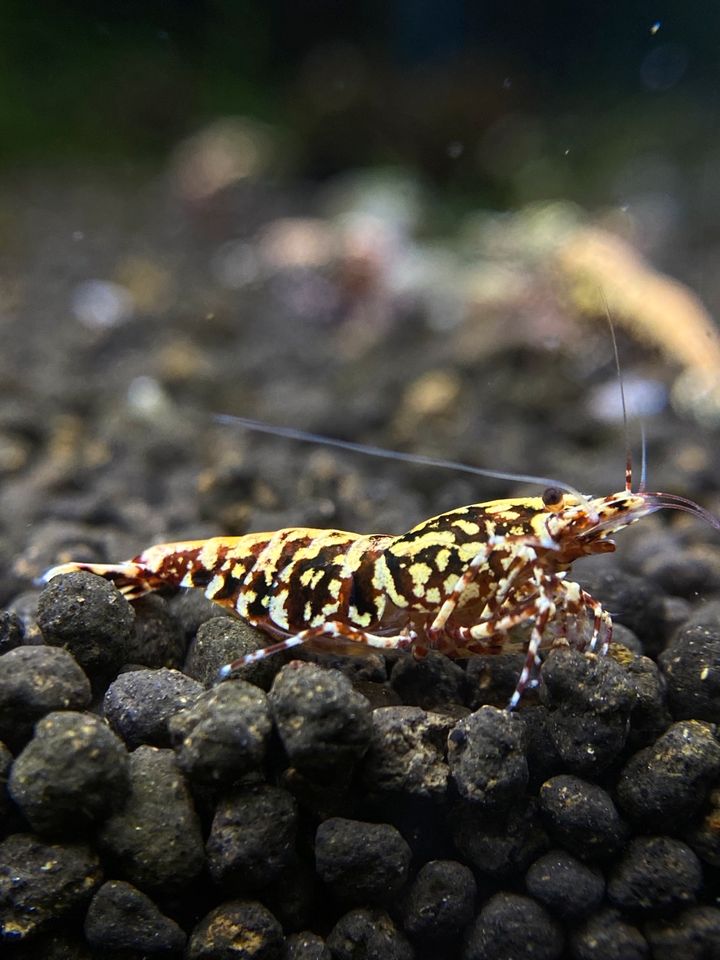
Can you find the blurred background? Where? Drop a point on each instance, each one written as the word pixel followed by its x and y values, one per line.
pixel 398 222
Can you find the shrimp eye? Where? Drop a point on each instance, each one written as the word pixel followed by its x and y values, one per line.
pixel 552 497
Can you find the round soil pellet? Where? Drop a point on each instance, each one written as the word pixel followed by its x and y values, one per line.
pixel 607 936
pixel 221 640
pixel 440 902
pixel 139 704
pixel 361 862
pixel 72 773
pixel 691 665
pixel 224 734
pixel 511 927
pixel 590 699
pixel 252 838
pixel 655 875
pixel 120 917
pixel 487 759
pixel 33 682
pixel 499 844
pixel 307 946
pixel 582 817
pixel 369 934
pixel 663 785
pixel 324 725
pixel 40 883
pixel 406 756
pixel 431 682
pixel 568 888
pixel 89 617
pixel 155 839
pixel 236 930
pixel 692 935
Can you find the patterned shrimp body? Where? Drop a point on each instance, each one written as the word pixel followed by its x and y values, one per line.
pixel 479 579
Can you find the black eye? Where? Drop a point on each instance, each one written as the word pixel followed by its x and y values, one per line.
pixel 552 496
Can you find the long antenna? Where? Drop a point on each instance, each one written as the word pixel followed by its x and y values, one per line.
pixel 292 433
pixel 616 352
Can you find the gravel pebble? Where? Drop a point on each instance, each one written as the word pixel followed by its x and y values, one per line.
pixel 139 704
pixel 252 838
pixel 41 882
pixel 440 902
pixel 511 926
pixel 430 682
pixel 237 930
pixel 655 875
pixel 499 845
pixel 582 817
pixel 606 936
pixel 224 734
pixel 325 726
pixel 692 935
pixel 664 784
pixel 307 946
pixel 72 773
pixel 364 934
pixel 590 699
pixel 568 888
pixel 691 665
pixel 219 641
pixel 486 756
pixel 120 917
pixel 361 863
pixel 33 682
pixel 155 839
pixel 407 753
pixel 12 631
pixel 6 761
pixel 158 640
pixel 89 617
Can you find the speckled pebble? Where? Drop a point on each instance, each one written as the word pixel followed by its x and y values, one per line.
pixel 364 934
pixel 155 839
pixel 219 641
pixel 407 753
pixel 703 834
pixel 6 760
pixel 41 882
pixel 72 773
pixel 120 917
pixel 568 888
pixel 158 640
pixel 510 927
pixel 139 704
pixel 691 665
pixel 650 716
pixel 431 682
pixel 252 838
pixel 89 617
pixel 440 902
pixel 325 726
pixel 501 844
pixel 662 785
pixel 606 936
pixel 237 930
pixel 590 699
pixel 12 631
pixel 224 734
pixel 307 946
pixel 487 759
pixel 692 935
pixel 655 875
pixel 582 817
pixel 33 682
pixel 361 863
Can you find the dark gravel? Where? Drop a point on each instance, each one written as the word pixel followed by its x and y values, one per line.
pixel 73 773
pixel 122 918
pixel 320 806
